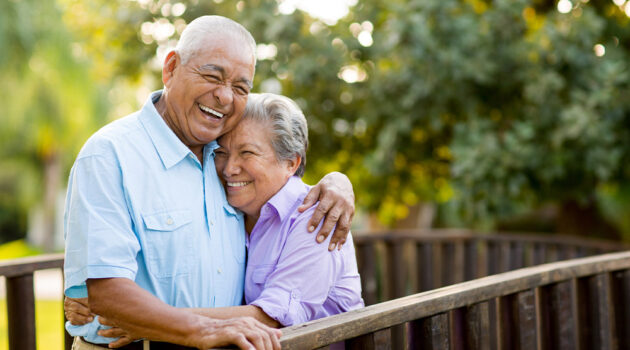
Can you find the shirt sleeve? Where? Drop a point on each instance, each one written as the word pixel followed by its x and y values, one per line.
pixel 100 241
pixel 300 283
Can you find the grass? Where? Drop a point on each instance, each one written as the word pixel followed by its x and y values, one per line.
pixel 48 325
pixel 48 313
pixel 17 249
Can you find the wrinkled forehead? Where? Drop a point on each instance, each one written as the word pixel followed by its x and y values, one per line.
pixel 246 131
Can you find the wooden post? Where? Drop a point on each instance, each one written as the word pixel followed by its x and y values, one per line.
pixel 429 333
pixel 507 324
pixel 379 340
pixel 424 272
pixel 21 312
pixel 366 260
pixel 477 326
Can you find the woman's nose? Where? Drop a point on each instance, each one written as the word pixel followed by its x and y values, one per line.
pixel 231 167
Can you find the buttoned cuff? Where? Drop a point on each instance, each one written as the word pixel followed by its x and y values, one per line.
pixel 283 306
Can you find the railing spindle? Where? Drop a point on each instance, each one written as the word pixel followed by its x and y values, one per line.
pixel 527 320
pixel 21 312
pixel 379 340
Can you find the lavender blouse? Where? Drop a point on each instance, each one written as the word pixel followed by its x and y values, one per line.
pixel 292 278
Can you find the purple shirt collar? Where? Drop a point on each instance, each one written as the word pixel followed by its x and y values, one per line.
pixel 285 200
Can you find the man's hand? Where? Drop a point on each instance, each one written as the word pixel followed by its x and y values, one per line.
pixel 336 204
pixel 77 311
pixel 244 332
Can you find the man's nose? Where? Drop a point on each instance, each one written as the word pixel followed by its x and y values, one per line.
pixel 224 94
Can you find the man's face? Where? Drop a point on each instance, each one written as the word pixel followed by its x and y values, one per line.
pixel 206 96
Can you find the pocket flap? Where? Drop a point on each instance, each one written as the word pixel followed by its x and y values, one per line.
pixel 167 221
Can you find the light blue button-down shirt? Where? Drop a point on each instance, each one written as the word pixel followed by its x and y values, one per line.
pixel 141 206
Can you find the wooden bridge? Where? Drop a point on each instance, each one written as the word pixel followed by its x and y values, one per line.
pixel 427 290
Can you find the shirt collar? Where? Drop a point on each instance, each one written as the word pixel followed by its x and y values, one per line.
pixel 284 200
pixel 169 147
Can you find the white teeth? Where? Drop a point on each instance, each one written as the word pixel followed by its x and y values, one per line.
pixel 210 110
pixel 238 184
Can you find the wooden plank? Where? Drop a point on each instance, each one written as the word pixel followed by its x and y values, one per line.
pixel 471 255
pixel 457 328
pixel 21 312
pixel 459 261
pixel 396 269
pixel 527 320
pixel 438 264
pixel 507 324
pixel 429 333
pixel 504 256
pixel 379 340
pixel 558 326
pixel 540 254
pixel 422 305
pixel 25 266
pixel 606 334
pixel 493 258
pixel 517 255
pixel 366 259
pixel 585 313
pixel 621 300
pixel 424 256
pixel 448 263
pixel 477 326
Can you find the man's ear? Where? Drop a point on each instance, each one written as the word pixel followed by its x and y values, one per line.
pixel 171 62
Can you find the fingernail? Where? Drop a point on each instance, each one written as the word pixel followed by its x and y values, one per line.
pixel 320 239
pixel 331 246
pixel 311 229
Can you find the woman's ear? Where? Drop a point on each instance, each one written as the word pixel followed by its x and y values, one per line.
pixel 293 164
pixel 170 63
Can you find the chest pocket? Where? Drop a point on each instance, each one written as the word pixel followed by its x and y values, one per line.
pixel 169 243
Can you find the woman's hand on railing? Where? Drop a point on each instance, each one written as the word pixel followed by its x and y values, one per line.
pixel 77 311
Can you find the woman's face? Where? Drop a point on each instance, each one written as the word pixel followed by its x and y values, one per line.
pixel 248 168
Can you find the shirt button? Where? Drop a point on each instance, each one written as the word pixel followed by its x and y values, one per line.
pixel 211 223
pixel 219 271
pixel 169 221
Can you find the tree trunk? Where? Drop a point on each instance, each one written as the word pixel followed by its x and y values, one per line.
pixel 584 219
pixel 52 183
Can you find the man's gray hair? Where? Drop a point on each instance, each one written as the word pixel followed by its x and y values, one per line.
pixel 289 132
pixel 197 31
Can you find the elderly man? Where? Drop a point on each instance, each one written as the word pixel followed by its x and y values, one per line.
pixel 148 226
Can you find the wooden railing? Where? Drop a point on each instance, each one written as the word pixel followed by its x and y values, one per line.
pixel 574 304
pixel 392 265
pixel 21 297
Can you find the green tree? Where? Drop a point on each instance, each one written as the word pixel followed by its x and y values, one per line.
pixel 50 106
pixel 496 106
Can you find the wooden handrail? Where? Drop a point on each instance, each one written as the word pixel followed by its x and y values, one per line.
pixel 28 265
pixel 373 318
pixel 440 257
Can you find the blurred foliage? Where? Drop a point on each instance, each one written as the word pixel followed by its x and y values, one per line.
pixel 50 106
pixel 495 107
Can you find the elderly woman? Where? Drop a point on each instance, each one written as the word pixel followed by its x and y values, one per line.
pixel 290 279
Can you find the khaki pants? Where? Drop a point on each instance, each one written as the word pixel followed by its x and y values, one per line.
pixel 80 344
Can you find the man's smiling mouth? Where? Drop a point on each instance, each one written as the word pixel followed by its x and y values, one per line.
pixel 210 111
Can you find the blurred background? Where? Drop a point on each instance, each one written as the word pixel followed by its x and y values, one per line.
pixel 505 115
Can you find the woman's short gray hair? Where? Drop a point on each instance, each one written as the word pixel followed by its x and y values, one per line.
pixel 289 132
pixel 197 31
